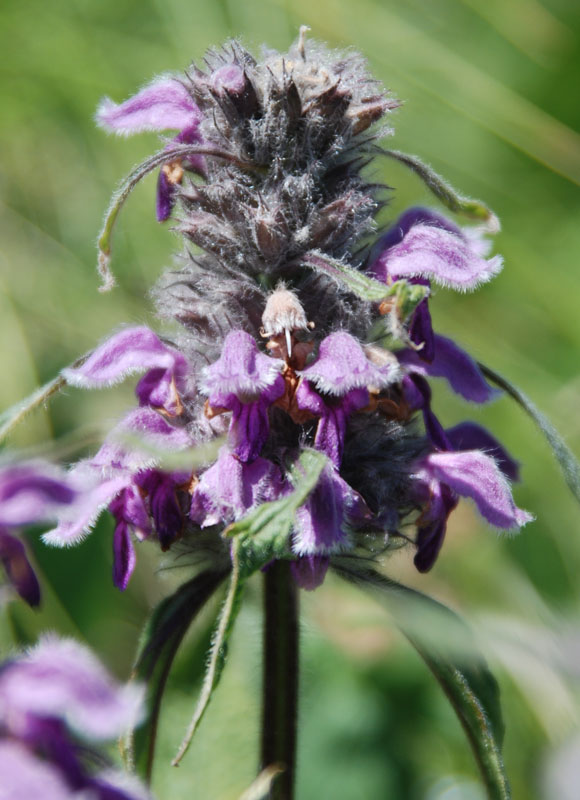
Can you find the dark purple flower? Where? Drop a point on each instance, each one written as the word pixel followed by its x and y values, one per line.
pixel 53 702
pixel 29 493
pixel 18 569
pixel 336 385
pixel 246 382
pixel 441 478
pixel 455 365
pixel 230 488
pixel 417 394
pixel 321 524
pixel 121 477
pixel 423 244
pixel 164 104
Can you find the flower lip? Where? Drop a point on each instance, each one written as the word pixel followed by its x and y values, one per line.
pixel 163 104
pixel 342 365
pixel 241 369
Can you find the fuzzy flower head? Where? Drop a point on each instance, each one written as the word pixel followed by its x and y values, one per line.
pixel 281 298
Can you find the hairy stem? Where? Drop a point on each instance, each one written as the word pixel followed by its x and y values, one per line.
pixel 280 691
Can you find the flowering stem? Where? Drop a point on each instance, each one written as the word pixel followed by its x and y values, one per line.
pixel 280 697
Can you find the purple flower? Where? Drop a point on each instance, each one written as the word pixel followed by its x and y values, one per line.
pixel 53 700
pixel 246 382
pixel 122 478
pixel 230 488
pixel 336 385
pixel 471 436
pixel 164 104
pixel 29 493
pixel 443 477
pixel 321 524
pixel 131 351
pixel 423 244
pixel 455 365
pixel 309 571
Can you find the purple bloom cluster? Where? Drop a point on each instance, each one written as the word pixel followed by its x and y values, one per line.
pixel 57 704
pixel 276 355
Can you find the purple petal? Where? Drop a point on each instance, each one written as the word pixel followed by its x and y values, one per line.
pixel 331 428
pixel 417 393
pixel 132 351
pixel 309 571
pixel 165 508
pixel 165 197
pixel 320 523
pixel 24 776
pixel 456 366
pixel 439 254
pixel 342 365
pixel 431 531
pixel 33 492
pixel 162 105
pixel 122 451
pixel 61 679
pixel 18 570
pixel 230 488
pixel 193 162
pixel 129 507
pixel 229 78
pixel 397 232
pixel 471 436
pixel 124 558
pixel 473 474
pixel 74 526
pixel 241 369
pixel 421 331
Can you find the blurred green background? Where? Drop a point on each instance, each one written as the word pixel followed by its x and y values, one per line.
pixel 490 95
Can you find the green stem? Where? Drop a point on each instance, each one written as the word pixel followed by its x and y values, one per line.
pixel 280 697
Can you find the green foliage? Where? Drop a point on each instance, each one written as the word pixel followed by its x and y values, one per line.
pixel 160 640
pixel 259 537
pixel 448 648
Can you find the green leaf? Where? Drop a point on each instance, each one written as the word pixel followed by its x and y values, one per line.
pixel 262 535
pixel 265 531
pixel 564 456
pixel 444 192
pixel 448 647
pixel 160 640
pixel 218 651
pixel 407 295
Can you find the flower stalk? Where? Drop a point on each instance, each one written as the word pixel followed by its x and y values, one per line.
pixel 280 685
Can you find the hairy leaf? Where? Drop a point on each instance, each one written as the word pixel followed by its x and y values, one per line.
pixel 566 459
pixel 258 538
pixel 445 192
pixel 218 652
pixel 159 643
pixel 406 296
pixel 448 647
